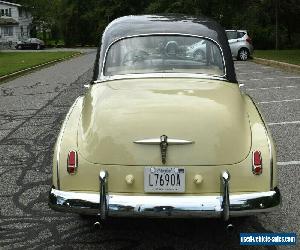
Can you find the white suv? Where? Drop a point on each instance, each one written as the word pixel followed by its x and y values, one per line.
pixel 240 44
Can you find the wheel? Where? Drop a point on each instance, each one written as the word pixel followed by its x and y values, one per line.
pixel 243 54
pixel 199 55
pixel 19 47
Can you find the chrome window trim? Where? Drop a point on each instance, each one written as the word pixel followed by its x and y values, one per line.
pixel 129 76
pixel 160 75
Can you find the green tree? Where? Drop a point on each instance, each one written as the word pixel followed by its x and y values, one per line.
pixel 81 22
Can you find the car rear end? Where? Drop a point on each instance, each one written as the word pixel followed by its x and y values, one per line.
pixel 240 44
pixel 247 40
pixel 215 167
pixel 161 134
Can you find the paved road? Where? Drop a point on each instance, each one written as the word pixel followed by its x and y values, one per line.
pixel 32 108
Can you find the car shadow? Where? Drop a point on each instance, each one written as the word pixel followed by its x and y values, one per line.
pixel 167 234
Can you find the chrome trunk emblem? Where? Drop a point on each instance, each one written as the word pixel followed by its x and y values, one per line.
pixel 163 148
pixel 164 142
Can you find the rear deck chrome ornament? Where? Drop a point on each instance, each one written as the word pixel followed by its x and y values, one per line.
pixel 164 142
pixel 163 148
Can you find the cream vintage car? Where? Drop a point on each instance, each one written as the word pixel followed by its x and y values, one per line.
pixel 162 134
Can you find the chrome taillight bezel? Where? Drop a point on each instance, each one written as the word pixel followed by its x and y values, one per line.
pixel 257 168
pixel 72 168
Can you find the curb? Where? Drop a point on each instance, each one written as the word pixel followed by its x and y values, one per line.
pixel 282 65
pixel 20 72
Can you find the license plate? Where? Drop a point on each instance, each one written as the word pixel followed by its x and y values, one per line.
pixel 164 180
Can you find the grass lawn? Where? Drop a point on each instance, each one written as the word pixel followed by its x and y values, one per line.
pixel 288 56
pixel 14 61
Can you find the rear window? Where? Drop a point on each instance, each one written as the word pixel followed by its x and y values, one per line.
pixel 164 54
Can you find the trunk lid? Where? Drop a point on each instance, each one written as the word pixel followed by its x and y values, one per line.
pixel 209 112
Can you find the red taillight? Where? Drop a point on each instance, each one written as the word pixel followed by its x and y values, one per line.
pixel 72 162
pixel 256 163
pixel 249 40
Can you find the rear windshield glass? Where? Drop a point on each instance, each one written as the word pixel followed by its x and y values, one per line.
pixel 164 54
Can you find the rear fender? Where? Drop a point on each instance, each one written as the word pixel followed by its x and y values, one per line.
pixel 66 141
pixel 260 135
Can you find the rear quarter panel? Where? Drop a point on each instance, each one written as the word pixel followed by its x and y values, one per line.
pixel 263 135
pixel 66 141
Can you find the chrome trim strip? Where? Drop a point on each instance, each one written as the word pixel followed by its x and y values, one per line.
pixel 225 177
pixel 103 77
pixel 150 141
pixel 157 141
pixel 164 142
pixel 179 142
pixel 160 75
pixel 180 206
pixel 59 139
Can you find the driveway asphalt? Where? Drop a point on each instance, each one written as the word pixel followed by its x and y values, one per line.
pixel 32 109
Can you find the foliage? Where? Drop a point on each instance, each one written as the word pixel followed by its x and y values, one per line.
pixel 81 22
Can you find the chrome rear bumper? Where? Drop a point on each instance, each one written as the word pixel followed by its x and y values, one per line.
pixel 177 206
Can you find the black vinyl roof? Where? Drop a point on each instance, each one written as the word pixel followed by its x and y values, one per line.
pixel 168 24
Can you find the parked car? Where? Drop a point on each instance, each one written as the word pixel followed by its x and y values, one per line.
pixel 162 134
pixel 240 44
pixel 31 43
pixel 197 50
